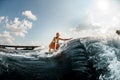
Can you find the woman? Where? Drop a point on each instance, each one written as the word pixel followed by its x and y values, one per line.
pixel 54 45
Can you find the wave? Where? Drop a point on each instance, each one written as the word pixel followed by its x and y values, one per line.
pixel 79 59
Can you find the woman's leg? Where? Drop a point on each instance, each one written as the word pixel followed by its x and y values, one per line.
pixel 52 46
pixel 57 46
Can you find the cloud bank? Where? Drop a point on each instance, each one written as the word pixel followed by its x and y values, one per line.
pixel 103 19
pixel 16 27
pixel 89 27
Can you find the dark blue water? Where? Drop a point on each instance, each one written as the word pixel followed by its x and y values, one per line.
pixel 79 59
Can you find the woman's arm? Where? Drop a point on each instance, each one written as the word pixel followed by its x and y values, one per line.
pixel 65 39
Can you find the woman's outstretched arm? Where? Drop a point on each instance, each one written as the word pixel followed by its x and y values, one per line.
pixel 65 39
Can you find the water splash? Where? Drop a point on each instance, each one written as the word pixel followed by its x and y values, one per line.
pixel 80 59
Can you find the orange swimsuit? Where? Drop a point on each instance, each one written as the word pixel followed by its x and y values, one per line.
pixel 54 44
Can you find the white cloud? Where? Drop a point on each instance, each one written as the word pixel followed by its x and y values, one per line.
pixel 82 27
pixel 29 15
pixel 87 24
pixel 17 27
pixel 6 38
pixel 90 27
pixel 1 18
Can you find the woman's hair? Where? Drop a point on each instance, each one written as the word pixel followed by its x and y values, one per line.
pixel 57 33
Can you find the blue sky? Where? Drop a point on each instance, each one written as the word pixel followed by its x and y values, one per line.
pixel 50 16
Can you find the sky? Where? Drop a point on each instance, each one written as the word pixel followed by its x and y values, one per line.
pixel 35 22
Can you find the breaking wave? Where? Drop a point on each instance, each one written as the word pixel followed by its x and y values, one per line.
pixel 79 59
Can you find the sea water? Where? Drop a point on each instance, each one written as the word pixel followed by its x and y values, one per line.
pixel 81 58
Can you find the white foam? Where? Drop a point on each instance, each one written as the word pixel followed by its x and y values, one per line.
pixel 114 65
